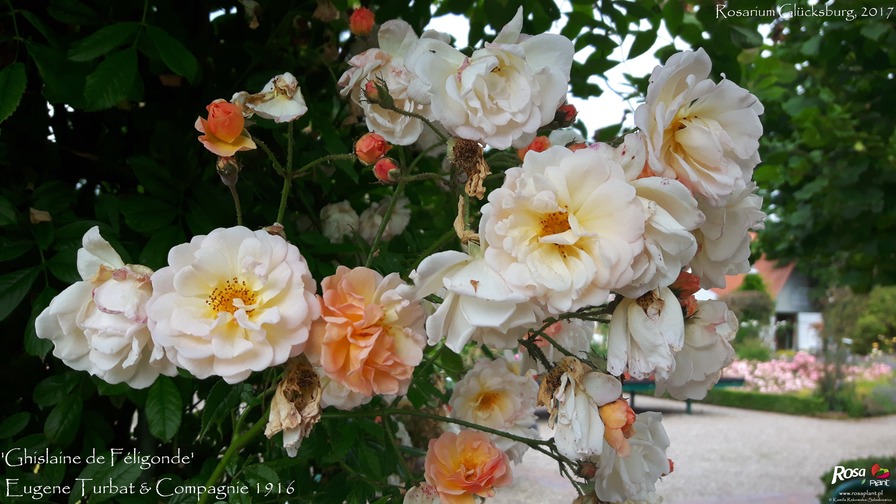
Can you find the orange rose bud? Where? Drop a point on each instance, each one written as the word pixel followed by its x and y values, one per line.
pixel 576 146
pixel 361 21
pixel 371 147
pixel 386 170
pixel 566 114
pixel 540 144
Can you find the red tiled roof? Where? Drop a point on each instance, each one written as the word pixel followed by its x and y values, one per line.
pixel 773 275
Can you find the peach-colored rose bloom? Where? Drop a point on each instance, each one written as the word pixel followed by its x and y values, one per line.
pixel 224 131
pixel 618 418
pixel 369 338
pixel 462 465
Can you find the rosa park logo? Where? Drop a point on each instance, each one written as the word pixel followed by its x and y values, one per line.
pixel 879 472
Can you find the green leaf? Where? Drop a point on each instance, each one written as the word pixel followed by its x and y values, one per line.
pixel 35 346
pixel 163 408
pixel 63 422
pixel 63 79
pixel 53 389
pixel 64 266
pixel 874 31
pixel 258 474
pixel 14 424
pixel 178 58
pixel 7 213
pixel 119 474
pixel 111 81
pixel 103 40
pixel 673 14
pixel 13 289
pixel 745 38
pixel 10 249
pixel 72 12
pixel 12 82
pixel 222 400
pixel 643 42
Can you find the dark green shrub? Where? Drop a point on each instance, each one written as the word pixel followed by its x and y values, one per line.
pixel 779 403
pixel 752 349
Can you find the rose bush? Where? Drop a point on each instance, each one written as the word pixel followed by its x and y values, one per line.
pixel 389 327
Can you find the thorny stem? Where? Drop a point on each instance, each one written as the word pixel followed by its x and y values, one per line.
pixel 379 232
pixel 287 176
pixel 236 203
pixel 277 166
pixel 332 157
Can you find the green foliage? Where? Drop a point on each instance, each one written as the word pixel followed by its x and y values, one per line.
pixel 750 305
pixel 829 156
pixel 750 347
pixel 753 282
pixel 791 404
pixel 876 327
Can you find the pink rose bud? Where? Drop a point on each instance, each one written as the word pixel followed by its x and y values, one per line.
pixel 361 21
pixel 371 147
pixel 386 170
pixel 540 144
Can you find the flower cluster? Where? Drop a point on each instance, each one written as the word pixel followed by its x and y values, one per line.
pixel 798 373
pixel 574 234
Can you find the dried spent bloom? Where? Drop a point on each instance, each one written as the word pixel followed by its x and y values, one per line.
pixel 371 147
pixel 296 407
pixel 232 302
pixel 369 338
pixel 467 156
pixel 98 325
pixel 224 131
pixel 361 21
pixel 281 99
pixel 461 466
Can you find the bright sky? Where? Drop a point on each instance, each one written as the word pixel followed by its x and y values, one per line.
pixel 610 107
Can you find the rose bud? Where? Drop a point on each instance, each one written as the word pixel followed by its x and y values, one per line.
pixel 371 147
pixel 566 114
pixel 386 170
pixel 540 144
pixel 361 21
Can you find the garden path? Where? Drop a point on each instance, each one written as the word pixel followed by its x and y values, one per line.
pixel 728 456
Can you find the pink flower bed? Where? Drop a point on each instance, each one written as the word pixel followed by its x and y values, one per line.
pixel 798 373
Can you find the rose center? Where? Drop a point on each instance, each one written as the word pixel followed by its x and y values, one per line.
pixel 487 401
pixel 554 223
pixel 222 298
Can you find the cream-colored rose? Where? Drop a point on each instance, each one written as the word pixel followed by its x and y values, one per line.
pixel 644 333
pixel 339 220
pixel 502 93
pixel 707 350
pixel 564 228
pixel 281 99
pixel 98 325
pixel 232 302
pixel 724 239
pixel 703 133
pixel 477 303
pixel 633 477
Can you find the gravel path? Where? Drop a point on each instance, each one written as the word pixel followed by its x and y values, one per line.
pixel 729 456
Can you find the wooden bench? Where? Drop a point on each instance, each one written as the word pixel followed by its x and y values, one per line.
pixel 634 387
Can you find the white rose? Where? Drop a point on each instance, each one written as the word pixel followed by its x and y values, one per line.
pixel 564 228
pixel 634 476
pixel 98 325
pixel 579 429
pixel 386 64
pixel 669 245
pixel 477 303
pixel 707 350
pixel 338 395
pixel 501 94
pixel 724 239
pixel 339 220
pixel 232 302
pixel 372 218
pixel 631 154
pixel 644 333
pixel 492 395
pixel 703 133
